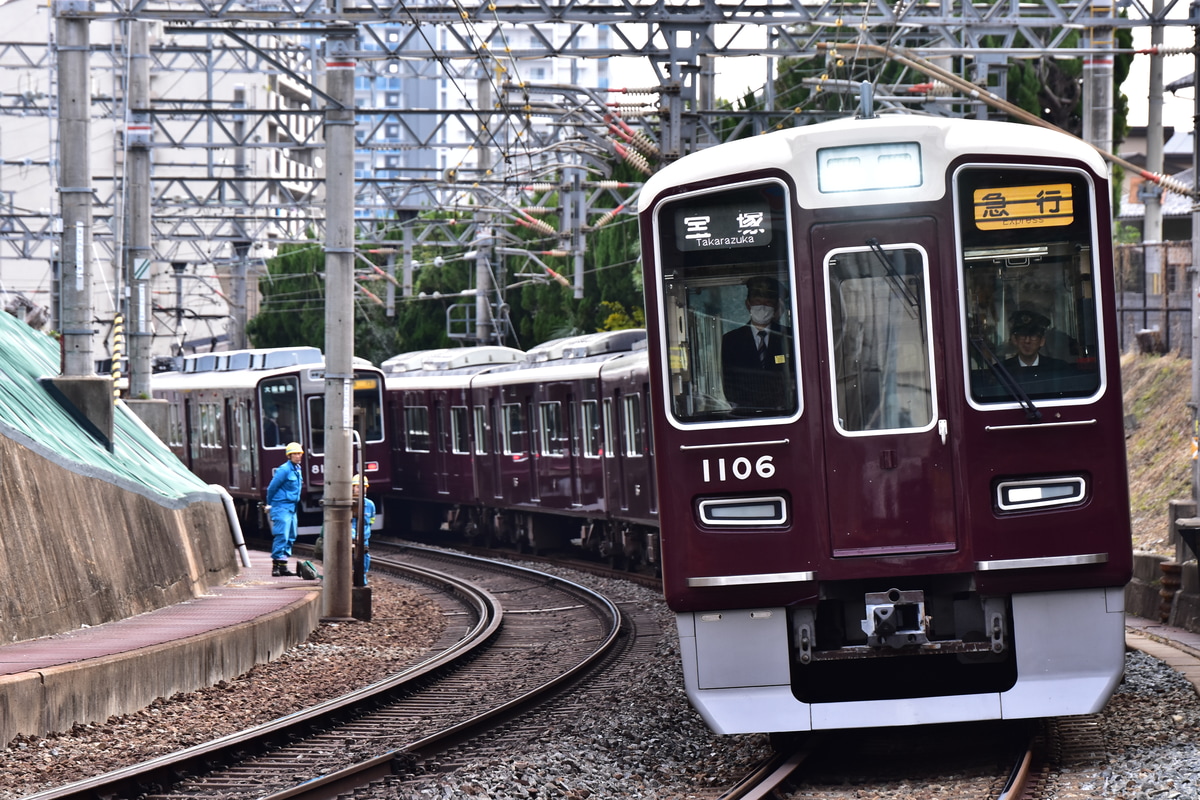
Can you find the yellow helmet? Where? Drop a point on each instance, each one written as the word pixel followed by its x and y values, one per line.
pixel 361 480
pixel 294 447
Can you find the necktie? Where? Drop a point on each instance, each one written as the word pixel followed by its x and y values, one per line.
pixel 762 347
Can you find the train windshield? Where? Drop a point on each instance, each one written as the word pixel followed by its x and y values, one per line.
pixel 727 300
pixel 1028 260
pixel 280 404
pixel 368 412
pixel 882 354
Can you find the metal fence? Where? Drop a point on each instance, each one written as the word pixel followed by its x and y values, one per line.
pixel 1154 303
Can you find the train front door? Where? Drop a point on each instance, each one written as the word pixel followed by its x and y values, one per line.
pixel 889 465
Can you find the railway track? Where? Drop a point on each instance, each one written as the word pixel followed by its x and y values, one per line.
pixel 982 761
pixel 516 637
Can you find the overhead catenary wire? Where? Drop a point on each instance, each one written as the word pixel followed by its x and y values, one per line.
pixel 982 94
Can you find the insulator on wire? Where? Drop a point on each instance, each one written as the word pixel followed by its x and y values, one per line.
pixel 649 90
pixel 1170 184
pixel 634 111
pixel 537 225
pixel 931 89
pixel 644 144
pixel 633 158
pixel 607 217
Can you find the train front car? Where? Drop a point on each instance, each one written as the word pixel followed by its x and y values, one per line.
pixel 888 423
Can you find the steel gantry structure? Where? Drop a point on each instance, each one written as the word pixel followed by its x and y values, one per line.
pixel 208 170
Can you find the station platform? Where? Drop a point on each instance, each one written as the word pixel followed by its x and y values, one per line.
pixel 87 675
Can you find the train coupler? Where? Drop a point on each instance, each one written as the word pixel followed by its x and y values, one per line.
pixel 896 618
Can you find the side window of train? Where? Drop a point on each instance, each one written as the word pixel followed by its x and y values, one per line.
pixel 514 429
pixel 880 338
pixel 610 429
pixel 726 261
pixel 1028 263
pixel 553 432
pixel 460 434
pixel 279 404
pixel 483 430
pixel 416 428
pixel 634 439
pixel 175 424
pixel 591 429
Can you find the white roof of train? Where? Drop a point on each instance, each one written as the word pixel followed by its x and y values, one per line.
pixel 942 140
pixel 237 369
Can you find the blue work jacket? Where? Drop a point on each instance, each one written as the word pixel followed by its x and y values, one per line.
pixel 285 485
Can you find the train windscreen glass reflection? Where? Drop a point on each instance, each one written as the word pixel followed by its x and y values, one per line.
pixel 880 338
pixel 1028 262
pixel 728 304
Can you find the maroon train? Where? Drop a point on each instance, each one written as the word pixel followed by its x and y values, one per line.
pixel 890 519
pixel 901 525
pixel 231 414
pixel 542 450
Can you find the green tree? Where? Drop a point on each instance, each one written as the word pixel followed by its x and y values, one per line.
pixel 292 312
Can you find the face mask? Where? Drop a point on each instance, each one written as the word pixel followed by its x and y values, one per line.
pixel 762 315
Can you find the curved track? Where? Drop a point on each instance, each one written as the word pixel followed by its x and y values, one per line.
pixel 517 635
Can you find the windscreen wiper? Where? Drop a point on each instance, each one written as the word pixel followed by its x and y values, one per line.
pixel 895 279
pixel 1006 378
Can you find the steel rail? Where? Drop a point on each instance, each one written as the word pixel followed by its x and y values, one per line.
pixel 166 770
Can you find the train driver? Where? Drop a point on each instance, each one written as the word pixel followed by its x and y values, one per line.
pixel 1028 334
pixel 283 494
pixel 756 357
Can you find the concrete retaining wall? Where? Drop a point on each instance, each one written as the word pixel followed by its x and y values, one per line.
pixel 78 550
pixel 1144 594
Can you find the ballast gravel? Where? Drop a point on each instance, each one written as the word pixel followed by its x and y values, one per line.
pixel 646 742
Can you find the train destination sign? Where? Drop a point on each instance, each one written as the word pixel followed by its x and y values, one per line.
pixel 721 227
pixel 1041 206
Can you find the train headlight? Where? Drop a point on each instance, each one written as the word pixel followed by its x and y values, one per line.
pixel 885 165
pixel 743 511
pixel 1023 495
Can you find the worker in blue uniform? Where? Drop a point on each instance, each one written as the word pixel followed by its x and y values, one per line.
pixel 283 494
pixel 358 487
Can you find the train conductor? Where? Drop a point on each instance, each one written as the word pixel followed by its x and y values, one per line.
pixel 756 357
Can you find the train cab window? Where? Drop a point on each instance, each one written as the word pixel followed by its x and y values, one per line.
pixel 279 403
pixel 460 434
pixel 416 429
pixel 554 435
pixel 316 424
pixel 727 300
pixel 368 407
pixel 591 429
pixel 880 338
pixel 367 414
pixel 514 429
pixel 1028 261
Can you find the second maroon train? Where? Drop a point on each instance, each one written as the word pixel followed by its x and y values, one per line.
pixel 540 450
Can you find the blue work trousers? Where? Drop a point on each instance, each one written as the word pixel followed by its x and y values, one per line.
pixel 283 530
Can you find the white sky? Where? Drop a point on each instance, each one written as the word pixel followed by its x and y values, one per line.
pixel 735 75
